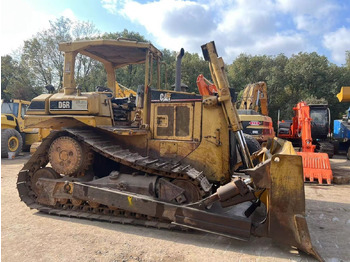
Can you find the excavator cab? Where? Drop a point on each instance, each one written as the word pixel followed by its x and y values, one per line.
pixel 169 167
pixel 320 123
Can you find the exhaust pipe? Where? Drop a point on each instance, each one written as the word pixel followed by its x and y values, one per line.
pixel 178 70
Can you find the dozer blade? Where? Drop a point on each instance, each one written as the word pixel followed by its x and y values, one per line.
pixel 287 222
pixel 316 167
pixel 282 177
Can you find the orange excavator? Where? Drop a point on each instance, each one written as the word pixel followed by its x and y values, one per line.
pixel 316 165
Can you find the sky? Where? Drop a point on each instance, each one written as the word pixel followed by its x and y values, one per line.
pixel 254 27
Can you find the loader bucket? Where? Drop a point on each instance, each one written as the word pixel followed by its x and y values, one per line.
pixel 316 166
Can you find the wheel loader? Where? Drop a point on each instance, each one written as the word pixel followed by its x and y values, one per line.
pixel 14 135
pixel 169 164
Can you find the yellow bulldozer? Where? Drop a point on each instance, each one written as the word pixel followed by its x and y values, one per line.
pixel 14 135
pixel 164 160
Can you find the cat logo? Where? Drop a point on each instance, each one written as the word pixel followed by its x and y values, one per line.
pixel 165 97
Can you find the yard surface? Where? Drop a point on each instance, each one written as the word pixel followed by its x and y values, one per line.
pixel 28 235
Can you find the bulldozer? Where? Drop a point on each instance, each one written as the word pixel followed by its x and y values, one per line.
pixel 169 164
pixel 14 135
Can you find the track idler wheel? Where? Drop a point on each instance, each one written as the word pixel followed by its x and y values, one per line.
pixel 191 193
pixel 46 172
pixel 69 157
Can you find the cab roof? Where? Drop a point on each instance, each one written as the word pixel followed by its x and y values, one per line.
pixel 118 52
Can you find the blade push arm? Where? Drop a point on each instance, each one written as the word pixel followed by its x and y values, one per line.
pixel 216 65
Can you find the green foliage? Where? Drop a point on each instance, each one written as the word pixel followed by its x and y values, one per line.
pixel 168 69
pixel 41 54
pixel 192 66
pixel 17 81
pixel 125 34
pixel 347 59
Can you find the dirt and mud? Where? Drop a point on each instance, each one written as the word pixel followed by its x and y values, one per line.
pixel 28 235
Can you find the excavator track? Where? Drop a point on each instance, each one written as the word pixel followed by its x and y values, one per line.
pixel 99 143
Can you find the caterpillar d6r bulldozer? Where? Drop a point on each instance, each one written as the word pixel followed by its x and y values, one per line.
pixel 168 164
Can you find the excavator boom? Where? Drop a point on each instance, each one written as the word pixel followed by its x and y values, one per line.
pixel 252 95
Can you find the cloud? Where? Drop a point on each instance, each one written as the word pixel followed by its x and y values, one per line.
pixel 290 44
pixel 313 16
pixel 188 20
pixel 69 14
pixel 338 42
pixel 240 26
pixel 21 25
pixel 173 23
pixel 255 27
pixel 110 5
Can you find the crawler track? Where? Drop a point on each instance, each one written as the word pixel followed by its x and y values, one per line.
pixel 104 146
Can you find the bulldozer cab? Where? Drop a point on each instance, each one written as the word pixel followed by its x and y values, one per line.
pixel 113 54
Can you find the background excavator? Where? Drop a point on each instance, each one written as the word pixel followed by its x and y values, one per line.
pixel 168 164
pixel 320 127
pixel 258 125
pixel 316 165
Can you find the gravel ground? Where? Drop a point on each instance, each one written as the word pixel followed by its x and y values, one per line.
pixel 27 235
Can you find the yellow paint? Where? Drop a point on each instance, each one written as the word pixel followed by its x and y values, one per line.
pixel 31 134
pixel 58 121
pixel 123 91
pixel 13 143
pixel 209 156
pixel 163 120
pixel 130 201
pixel 254 93
pixel 31 138
pixel 344 94
pixel 5 123
pixel 44 98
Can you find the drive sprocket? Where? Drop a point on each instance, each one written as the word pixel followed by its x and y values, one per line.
pixel 69 157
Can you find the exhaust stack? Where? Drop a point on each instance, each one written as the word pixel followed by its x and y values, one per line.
pixel 178 70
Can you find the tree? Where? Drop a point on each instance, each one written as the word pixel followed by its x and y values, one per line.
pixel 16 80
pixel 347 58
pixel 42 56
pixel 247 69
pixel 192 66
pixel 88 72
pixel 168 69
pixel 41 53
